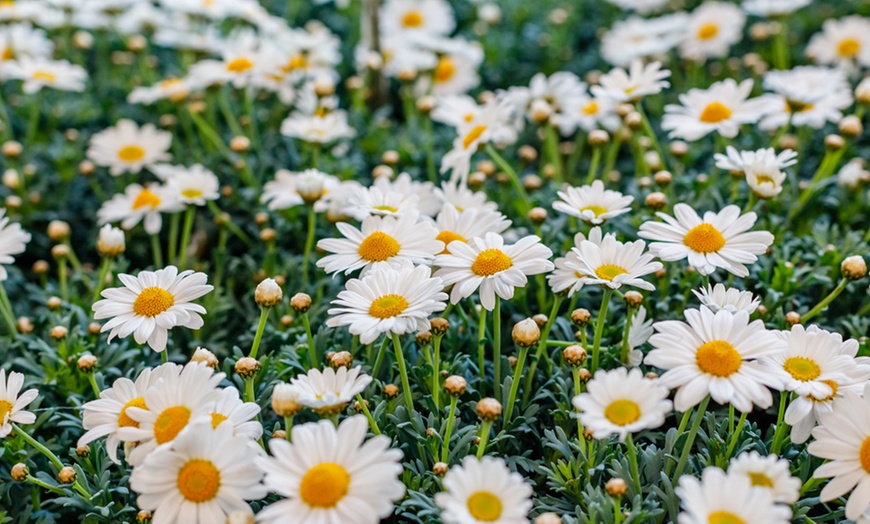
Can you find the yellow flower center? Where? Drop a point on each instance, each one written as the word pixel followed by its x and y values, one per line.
pixel 378 247
pixel 445 70
pixel 708 31
pixel 297 61
pixel 468 117
pixel 591 108
pixel 124 420
pixel 472 135
pixel 8 54
pixel 5 410
pixel 802 368
pixel 324 485
pixel 152 301
pixel 764 179
pixel 622 412
pixel 412 19
pixel 199 480
pixel 447 237
pixel 239 65
pixel 216 419
pixel 596 210
pixel 146 198
pixel 724 517
pixel 131 153
pixel 704 238
pixel 833 385
pixel 389 209
pixel 796 106
pixel 45 76
pixel 715 112
pixel 484 506
pixel 388 306
pixel 758 478
pixel 864 454
pixel 848 47
pixel 191 193
pixel 609 271
pixel 169 423
pixel 718 358
pixel 490 261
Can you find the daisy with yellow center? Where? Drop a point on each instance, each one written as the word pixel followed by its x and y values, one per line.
pixel 806 96
pixel 201 477
pixel 229 409
pixel 484 490
pixel 13 240
pixel 327 392
pixel 172 89
pixel 454 225
pixel 722 108
pixel 711 31
pixel 719 297
pixel 139 204
pixel 290 189
pixel 328 475
pixel 455 70
pixel 38 72
pixel 614 264
pixel 128 148
pixel 640 80
pixel 844 42
pixel 194 185
pixel 492 267
pixel 768 473
pixel 471 135
pixel 714 500
pixel 565 277
pixel 716 354
pixel 720 240
pixel 12 404
pixel 416 17
pixel 762 168
pixel 152 303
pixel 376 201
pixel 593 203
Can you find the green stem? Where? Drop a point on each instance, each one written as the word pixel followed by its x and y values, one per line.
pixel 39 447
pixel 288 427
pixel 481 344
pixel 171 249
pixel 825 301
pixel 542 345
pixel 593 165
pixel 578 389
pixel 599 328
pixel 261 326
pixel 403 372
pixel 436 372
pixel 735 436
pixel 48 487
pixel 484 437
pixel 365 409
pixel 448 431
pixel 249 389
pixel 8 314
pixel 33 121
pixel 62 277
pixel 376 369
pixel 690 440
pixel 309 244
pixel 105 267
pixel 629 317
pixel 156 251
pixel 632 460
pixel 512 175
pixel 515 385
pixel 496 347
pixel 552 142
pixel 779 432
pixel 311 356
pixel 189 216
pixel 94 385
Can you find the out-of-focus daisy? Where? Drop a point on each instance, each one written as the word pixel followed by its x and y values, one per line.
pixel 844 41
pixel 428 201
pixel 720 298
pixel 193 185
pixel 484 490
pixel 328 391
pixel 204 475
pixel 22 39
pixel 12 404
pixel 565 277
pixel 37 73
pixel 712 500
pixel 637 38
pixel 546 96
pixel 463 198
pixel 318 128
pixel 290 189
pixel 472 134
pixel 587 113
pixel 719 240
pixel 639 81
pixel 620 402
pixel 716 354
pixel 614 264
pixel 593 204
pixel 773 8
pixel 229 409
pixel 127 148
pixel 852 174
pixel 455 71
pixel 397 298
pixel 454 225
pixel 373 201
pixel 768 473
pixel 152 303
pixel 13 240
pixel 805 96
pixel 762 168
pixel 330 474
pixel 712 29
pixel 172 89
pixel 641 6
pixel 722 108
pixel 137 204
pixel 416 16
pixel 640 332
pixel 487 263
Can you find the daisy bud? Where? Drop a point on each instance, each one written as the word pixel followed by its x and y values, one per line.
pixel 656 200
pixel 585 375
pixel 382 171
pixel 789 141
pixel 54 303
pixel 240 144
pixel 11 179
pixel 633 298
pixel 87 363
pixel 598 138
pixel 759 32
pixel 268 293
pixel 58 332
pixel 354 82
pixel 83 40
pixel 663 178
pixel 792 318
pixel 430 432
pixel 390 157
pixel 540 111
pixel 285 400
pixel 851 126
pixel 60 251
pixel 67 475
pixel 24 325
pixel 653 160
pixel 512 361
pixel 532 182
pixel 324 87
pixel 94 328
pixel 240 517
pixel 678 148
pixel 540 319
pixel 341 359
pixel 83 451
pixel 205 356
pixel 455 385
pixel 309 185
pixel 488 409
pixel 476 179
pixel 406 74
pixel 761 310
pixel 538 215
pixel 616 487
pixel 143 517
pixel 13 202
pixel 300 302
pixel 19 472
pixel 502 178
pixel 527 153
pixel 426 104
pixel 357 407
pixel 487 167
pixel 286 320
pixel 854 267
pixel 623 109
pixel 548 518
pixel 834 142
pixel 633 120
pixel 574 355
pixel 440 469
pixel 268 235
pixel 439 325
pixel 593 76
pixel 423 338
pixel 247 367
pixel 652 375
pixel 862 92
pixel 111 241
pixel 391 391
pixel 526 333
pixel 581 316
pixel 12 149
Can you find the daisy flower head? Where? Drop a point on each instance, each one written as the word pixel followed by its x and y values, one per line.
pixel 806 96
pixel 228 409
pixel 641 6
pixel 773 8
pixel 546 96
pixel 716 354
pixel 632 85
pixel 719 239
pixel 433 17
pixel 328 474
pixel 637 38
pixel 463 198
pixel 428 200
pixel 127 147
pixel 18 40
pixel 844 41
pixel 391 298
pixel 484 490
pixel 318 128
pixel 769 473
pixel 565 277
pixel 12 404
pixel 139 204
pixel 472 134
pixel 454 225
pixel 290 189
pixel 380 239
pixel 13 240
pixel 455 72
pixel 37 73
pixel 587 113
pixel 487 263
pixel 712 29
pixel 620 402
pixel 721 298
pixel 374 201
pixel 762 168
pixel 593 204
pixel 194 185
pixel 201 477
pixel 151 303
pixel 711 499
pixel 328 391
pixel 614 264
pixel 173 89
pixel 722 108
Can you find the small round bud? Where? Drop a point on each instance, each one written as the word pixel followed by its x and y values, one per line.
pixel 512 360
pixel 24 325
pixel 527 153
pixel 656 200
pixel 66 475
pixel 83 451
pixel 87 363
pixel 455 385
pixel 488 409
pixel 279 434
pixel 616 487
pixel 663 178
pixel 476 179
pixel 548 518
pixel 526 333
pixel 633 120
pixel 585 375
pixel 390 157
pixel 300 302
pixel 382 171
pixel 341 359
pixel 540 319
pixel 268 293
pixel 851 126
pixel 486 167
pixel 423 338
pixel 60 251
pixel 357 407
pixel 54 303
pixel 652 375
pixel 19 472
pixel 143 517
pixel 391 390
pixel 623 109
pixel 792 318
pixel 439 325
pixel 854 267
pixel 574 355
pixel 598 137
pixel 285 400
pixel 862 92
pixel 440 469
pixel 13 201
pixel 633 298
pixel 247 367
pixel 761 309
pixel 58 332
pixel 538 215
pixel 580 317
pixel 205 356
pixel 286 320
pixel 430 432
pixel 425 104
pixel 240 144
pixel 834 142
pixel 58 230
pixel 268 235
pixel 532 182
pixel 111 241
pixel 11 179
pixel 678 148
pixel 12 149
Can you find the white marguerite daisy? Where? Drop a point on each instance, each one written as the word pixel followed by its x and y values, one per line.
pixel 380 239
pixel 614 264
pixel 433 17
pixel 852 174
pixel 455 72
pixel 201 477
pixel 241 416
pixel 773 8
pixel 454 225
pixel 18 40
pixel 329 475
pixel 640 332
pixel 729 299
pixel 640 39
pixel 12 404
pixel 127 147
pixel 720 498
pixel 487 263
pixel 844 41
pixel 593 204
pixel 139 204
pixel 194 185
pixel 620 402
pixel 641 6
pixel 391 298
pixel 484 490
pixel 639 81
pixel 719 240
pixel 291 189
pixel 329 391
pixel 374 201
pixel 564 277
pixel 762 168
pixel 463 198
pixel 151 303
pixel 805 96
pixel 722 108
pixel 712 29
pixel 13 240
pixel 173 89
pixel 769 473
pixel 716 354
pixel 180 396
pixel 38 72
pixel 843 439
pixel 472 134
pixel 318 128
pixel 546 96
pixel 428 200
pixel 587 113
pixel 105 416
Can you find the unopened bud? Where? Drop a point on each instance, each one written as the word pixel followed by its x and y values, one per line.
pixel 574 355
pixel 616 487
pixel 854 267
pixel 285 400
pixel 247 367
pixel 526 333
pixel 87 363
pixel 488 409
pixel 581 317
pixel 205 356
pixel 300 302
pixel 391 391
pixel 19 472
pixel 455 385
pixel 66 475
pixel 268 293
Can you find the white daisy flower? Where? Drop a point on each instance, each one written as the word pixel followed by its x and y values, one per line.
pixel 844 41
pixel 397 298
pixel 641 6
pixel 194 185
pixel 328 391
pixel 852 174
pixel 564 277
pixel 487 263
pixel 712 29
pixel 712 500
pixel 640 332
pixel 204 475
pixel 636 38
pixel 614 264
pixel 773 8
pixel 318 128
pixel 173 89
pixel 12 404
pixel 288 187
pixel 546 96
pixel 428 200
pixel 18 40
pixel 127 148
pixel 433 17
pixel 380 239
pixel 484 490
pixel 463 198
pixel 719 240
pixel 241 416
pixel 455 72
pixel 455 225
pixel 472 134
pixel 769 473
pixel 762 168
pixel 37 73
pixel 587 113
pixel 716 354
pixel 373 201
pixel 329 475
pixel 620 402
pixel 639 81
pixel 139 204
pixel 732 300
pixel 151 303
pixel 13 241
pixel 180 396
pixel 722 108
pixel 805 96
pixel 593 204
